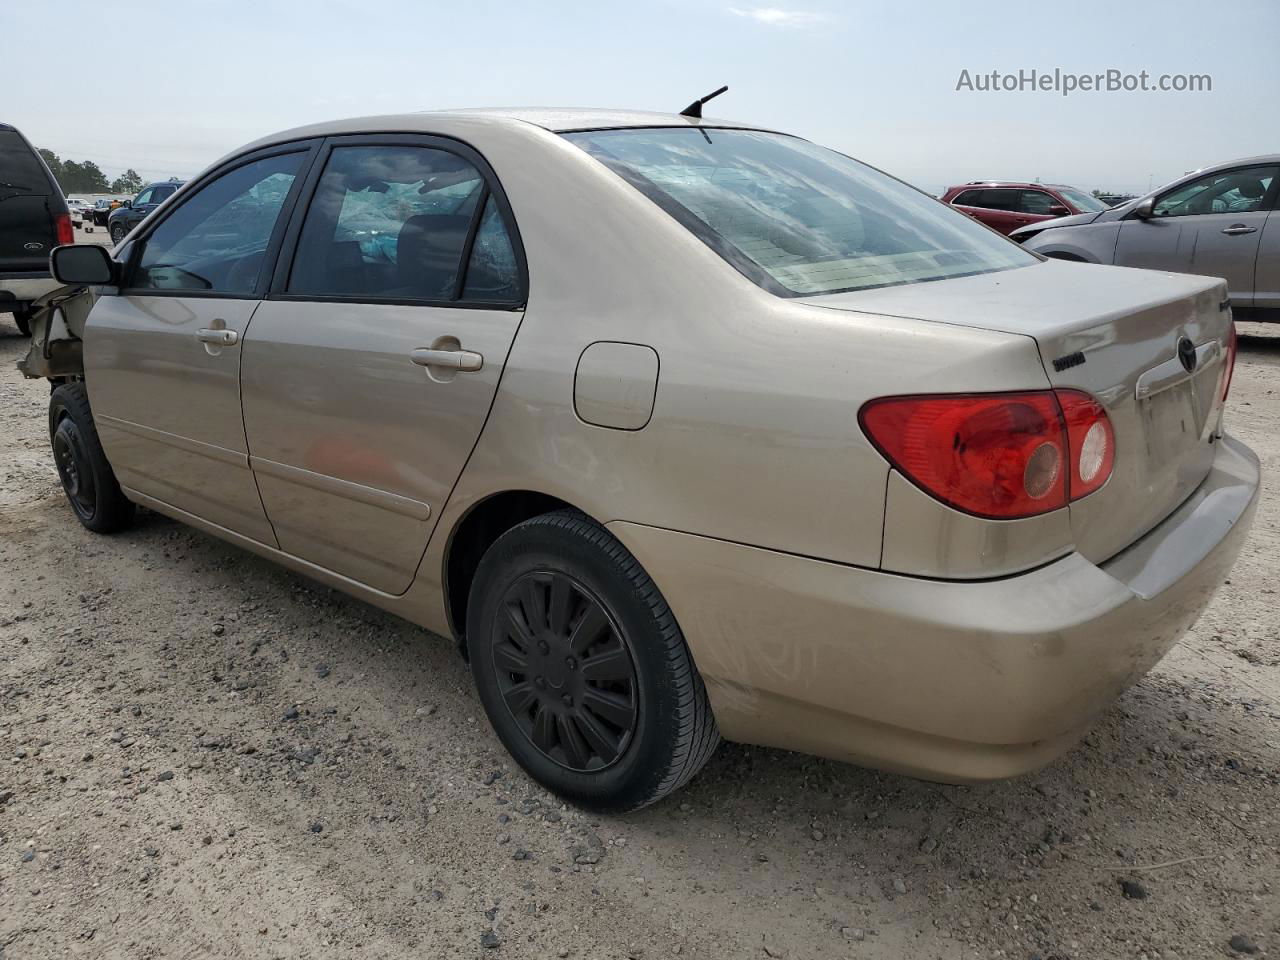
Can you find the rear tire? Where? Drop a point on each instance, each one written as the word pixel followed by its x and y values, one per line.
pixel 22 320
pixel 87 478
pixel 582 668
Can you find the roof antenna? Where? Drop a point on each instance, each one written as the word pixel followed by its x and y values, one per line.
pixel 695 109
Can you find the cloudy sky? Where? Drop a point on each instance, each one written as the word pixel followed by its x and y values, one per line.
pixel 169 86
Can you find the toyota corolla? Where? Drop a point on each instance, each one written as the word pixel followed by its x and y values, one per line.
pixel 683 429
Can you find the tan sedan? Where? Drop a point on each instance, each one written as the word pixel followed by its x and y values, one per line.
pixel 684 429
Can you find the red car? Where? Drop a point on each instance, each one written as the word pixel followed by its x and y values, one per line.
pixel 1005 206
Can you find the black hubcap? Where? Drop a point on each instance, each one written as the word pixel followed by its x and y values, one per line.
pixel 565 671
pixel 73 468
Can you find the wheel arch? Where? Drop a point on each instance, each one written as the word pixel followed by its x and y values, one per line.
pixel 475 532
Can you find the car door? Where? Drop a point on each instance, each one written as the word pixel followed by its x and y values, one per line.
pixel 139 207
pixel 1209 226
pixel 1266 272
pixel 994 206
pixel 162 353
pixel 371 367
pixel 159 194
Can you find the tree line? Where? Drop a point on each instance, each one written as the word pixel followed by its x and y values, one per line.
pixel 87 177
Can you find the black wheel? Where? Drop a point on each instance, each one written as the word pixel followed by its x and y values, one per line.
pixel 22 320
pixel 581 666
pixel 86 476
pixel 118 233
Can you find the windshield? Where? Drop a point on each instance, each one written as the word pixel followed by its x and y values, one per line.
pixel 1084 202
pixel 796 218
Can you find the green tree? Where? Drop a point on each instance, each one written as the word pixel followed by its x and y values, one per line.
pixel 52 160
pixel 127 182
pixel 83 177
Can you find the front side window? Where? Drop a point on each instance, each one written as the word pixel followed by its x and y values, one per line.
pixel 1233 191
pixel 143 197
pixel 216 240
pixel 393 223
pixel 1036 202
pixel 796 218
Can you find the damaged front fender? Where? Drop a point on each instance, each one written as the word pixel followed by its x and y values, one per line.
pixel 57 328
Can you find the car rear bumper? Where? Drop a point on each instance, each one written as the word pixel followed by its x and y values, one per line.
pixel 18 289
pixel 946 680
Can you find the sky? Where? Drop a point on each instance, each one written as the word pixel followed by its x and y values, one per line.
pixel 168 87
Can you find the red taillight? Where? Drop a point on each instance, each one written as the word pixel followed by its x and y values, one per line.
pixel 1231 361
pixel 62 225
pixel 1092 442
pixel 998 455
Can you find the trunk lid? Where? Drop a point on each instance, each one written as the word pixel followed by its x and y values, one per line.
pixel 1114 333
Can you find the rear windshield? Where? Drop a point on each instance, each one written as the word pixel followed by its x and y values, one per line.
pixel 20 171
pixel 796 218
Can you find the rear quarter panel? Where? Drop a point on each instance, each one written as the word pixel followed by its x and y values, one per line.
pixel 754 436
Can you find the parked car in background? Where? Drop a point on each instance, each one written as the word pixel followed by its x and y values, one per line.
pixel 34 219
pixel 132 212
pixel 102 210
pixel 1005 206
pixel 77 207
pixel 1219 222
pixel 506 373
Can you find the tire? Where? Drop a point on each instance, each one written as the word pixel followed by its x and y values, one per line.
pixel 621 717
pixel 87 477
pixel 118 233
pixel 22 320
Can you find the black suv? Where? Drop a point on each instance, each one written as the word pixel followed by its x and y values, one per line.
pixel 33 220
pixel 124 218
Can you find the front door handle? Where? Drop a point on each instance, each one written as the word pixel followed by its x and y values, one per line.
pixel 1239 229
pixel 468 361
pixel 221 338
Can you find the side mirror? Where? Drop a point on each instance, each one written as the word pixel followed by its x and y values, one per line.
pixel 1145 210
pixel 126 203
pixel 83 264
pixel 1058 210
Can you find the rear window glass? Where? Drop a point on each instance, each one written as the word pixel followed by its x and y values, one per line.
pixel 21 172
pixel 796 218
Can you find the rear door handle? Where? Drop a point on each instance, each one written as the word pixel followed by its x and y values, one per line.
pixel 468 361
pixel 223 338
pixel 1239 229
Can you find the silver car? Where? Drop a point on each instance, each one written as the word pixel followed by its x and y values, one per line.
pixel 1221 221
pixel 683 429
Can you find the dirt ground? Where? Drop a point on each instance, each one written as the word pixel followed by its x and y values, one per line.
pixel 202 755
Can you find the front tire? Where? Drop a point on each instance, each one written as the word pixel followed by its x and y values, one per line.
pixel 22 320
pixel 87 478
pixel 118 234
pixel 582 668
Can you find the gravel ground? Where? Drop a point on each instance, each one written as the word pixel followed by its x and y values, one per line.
pixel 202 755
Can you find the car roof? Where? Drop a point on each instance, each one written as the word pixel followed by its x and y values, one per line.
pixel 1015 184
pixel 516 119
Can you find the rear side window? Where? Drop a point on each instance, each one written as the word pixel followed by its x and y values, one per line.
pixel 217 237
pixel 21 172
pixel 162 193
pixel 394 223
